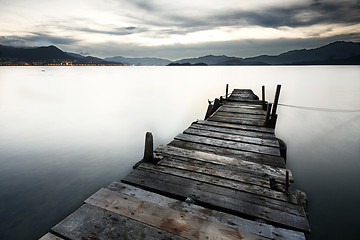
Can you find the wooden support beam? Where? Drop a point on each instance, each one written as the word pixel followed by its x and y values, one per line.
pixel 149 148
pixel 227 91
pixel 273 120
pixel 276 100
pixel 216 105
pixel 287 181
pixel 267 119
pixel 263 98
pixel 208 111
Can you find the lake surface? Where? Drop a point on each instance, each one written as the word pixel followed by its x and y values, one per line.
pixel 67 131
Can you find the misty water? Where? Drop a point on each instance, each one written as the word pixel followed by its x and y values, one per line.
pixel 65 132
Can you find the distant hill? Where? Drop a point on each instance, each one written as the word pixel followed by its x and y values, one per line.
pixel 334 53
pixel 145 61
pixel 187 64
pixel 219 61
pixel 44 56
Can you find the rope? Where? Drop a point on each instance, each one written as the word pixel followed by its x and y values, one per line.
pixel 318 109
pixel 309 108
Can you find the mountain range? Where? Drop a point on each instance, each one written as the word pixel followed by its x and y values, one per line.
pixel 50 55
pixel 336 53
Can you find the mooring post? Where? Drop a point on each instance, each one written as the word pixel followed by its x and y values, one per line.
pixel 227 91
pixel 276 100
pixel 149 148
pixel 267 119
pixel 208 111
pixel 263 98
pixel 216 105
pixel 287 181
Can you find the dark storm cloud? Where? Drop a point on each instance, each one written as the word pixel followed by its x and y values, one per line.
pixel 297 15
pixel 36 39
pixel 316 12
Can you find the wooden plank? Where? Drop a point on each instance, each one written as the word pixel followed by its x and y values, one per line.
pixel 50 236
pixel 223 171
pixel 167 219
pixel 239 167
pixel 244 116
pixel 207 140
pixel 261 229
pixel 162 181
pixel 214 180
pixel 90 222
pixel 248 156
pixel 232 137
pixel 257 123
pixel 231 201
pixel 238 126
pixel 243 91
pixel 241 110
pixel 212 126
pixel 242 105
pixel 238 98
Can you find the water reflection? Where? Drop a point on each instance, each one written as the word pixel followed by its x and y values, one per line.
pixel 68 131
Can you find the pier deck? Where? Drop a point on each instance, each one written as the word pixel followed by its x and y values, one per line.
pixel 222 178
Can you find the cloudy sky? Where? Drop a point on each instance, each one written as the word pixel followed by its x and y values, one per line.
pixel 178 29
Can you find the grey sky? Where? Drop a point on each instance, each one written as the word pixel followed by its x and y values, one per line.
pixel 177 29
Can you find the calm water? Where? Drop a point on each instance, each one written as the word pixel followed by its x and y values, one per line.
pixel 67 131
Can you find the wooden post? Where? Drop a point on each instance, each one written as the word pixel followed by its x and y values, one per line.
pixel 267 119
pixel 227 91
pixel 263 98
pixel 287 181
pixel 149 148
pixel 276 100
pixel 216 105
pixel 273 120
pixel 283 149
pixel 209 111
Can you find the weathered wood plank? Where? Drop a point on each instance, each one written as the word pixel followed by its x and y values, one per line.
pixel 213 126
pixel 243 116
pixel 229 136
pixel 166 219
pixel 216 198
pixel 207 140
pixel 50 236
pixel 239 98
pixel 248 156
pixel 197 186
pixel 261 229
pixel 223 171
pixel 214 180
pixel 258 169
pixel 241 110
pixel 90 222
pixel 242 105
pixel 238 127
pixel 215 118
pixel 244 91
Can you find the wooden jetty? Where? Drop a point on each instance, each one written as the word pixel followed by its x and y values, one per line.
pixel 222 178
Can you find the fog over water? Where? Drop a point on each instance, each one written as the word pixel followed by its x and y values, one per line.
pixel 67 131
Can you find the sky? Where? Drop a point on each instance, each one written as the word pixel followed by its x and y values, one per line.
pixel 178 29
